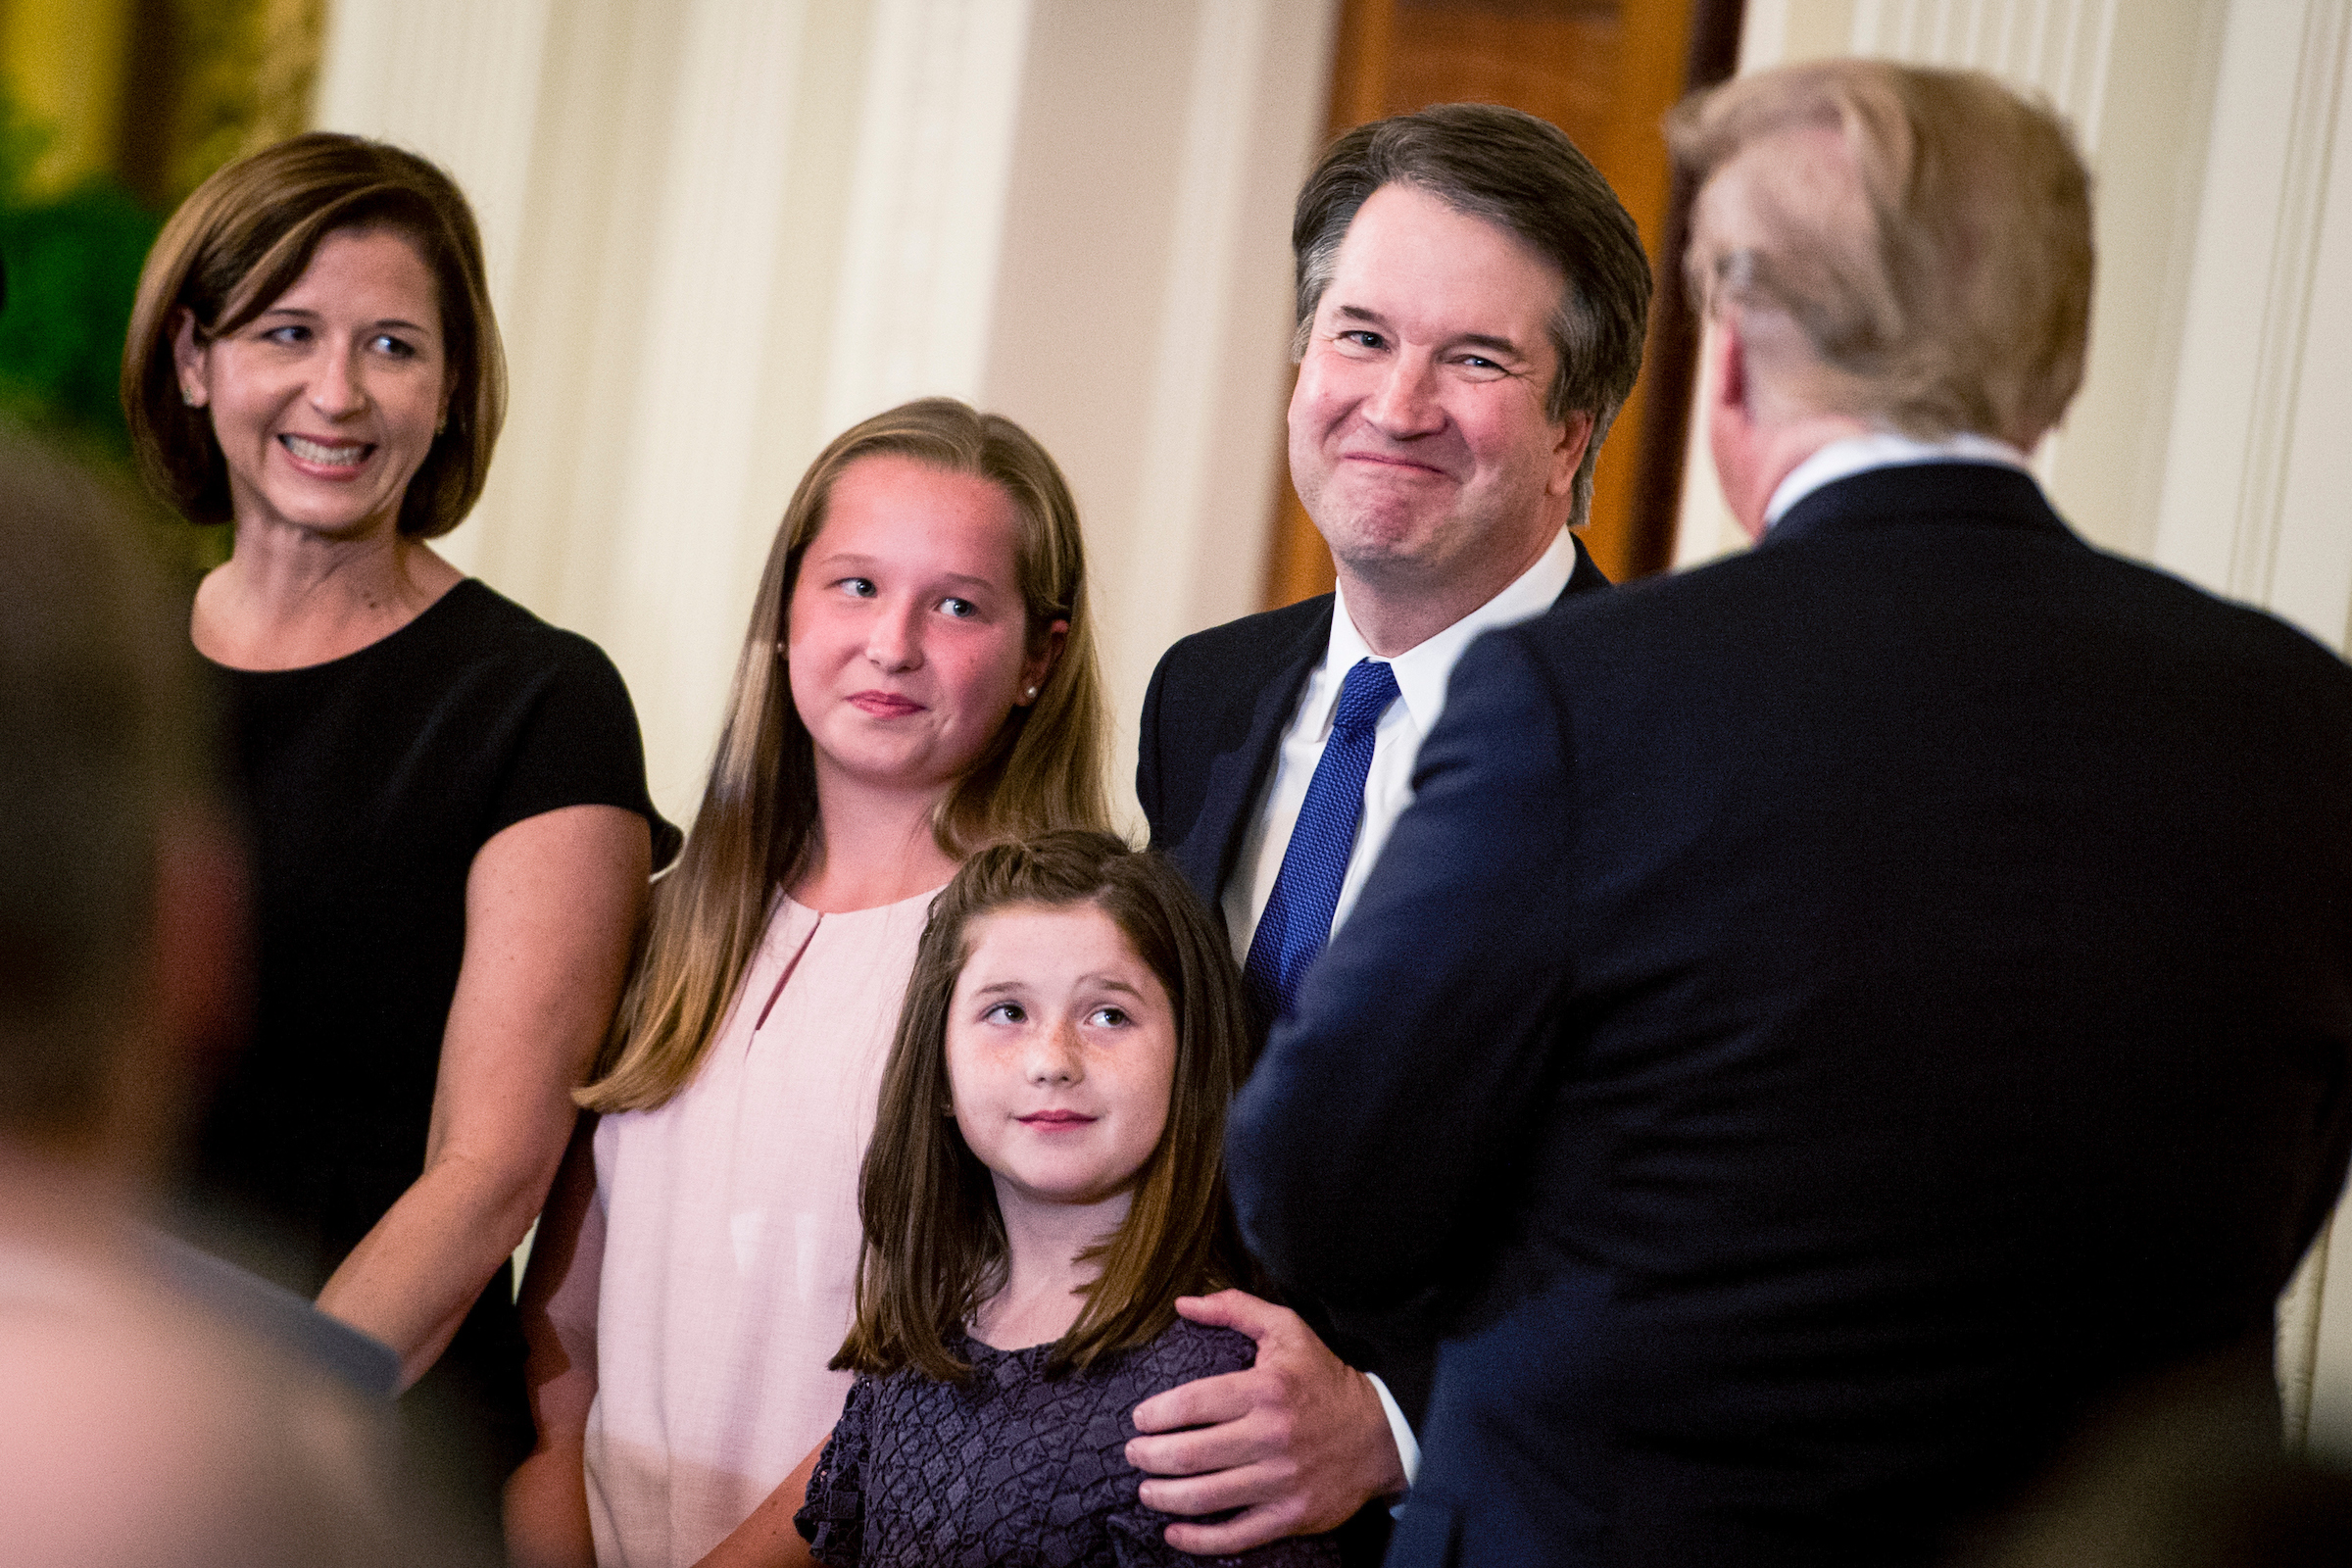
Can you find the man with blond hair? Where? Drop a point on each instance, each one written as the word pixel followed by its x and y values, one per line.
pixel 1838 1023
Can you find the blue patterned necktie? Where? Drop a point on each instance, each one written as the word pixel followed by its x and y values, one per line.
pixel 1296 922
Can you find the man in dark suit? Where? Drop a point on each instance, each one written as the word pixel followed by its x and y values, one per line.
pixel 1835 1021
pixel 1471 306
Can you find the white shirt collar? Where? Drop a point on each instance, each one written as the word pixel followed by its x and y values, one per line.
pixel 1423 669
pixel 1884 449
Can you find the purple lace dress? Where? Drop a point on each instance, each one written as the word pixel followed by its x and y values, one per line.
pixel 1013 1468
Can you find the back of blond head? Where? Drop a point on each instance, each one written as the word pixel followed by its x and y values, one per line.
pixel 1920 241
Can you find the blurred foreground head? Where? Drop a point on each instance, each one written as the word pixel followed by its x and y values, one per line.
pixel 116 902
pixel 133 1429
pixel 132 1435
pixel 2184 1472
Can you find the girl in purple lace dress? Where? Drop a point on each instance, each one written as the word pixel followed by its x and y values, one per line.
pixel 1044 1180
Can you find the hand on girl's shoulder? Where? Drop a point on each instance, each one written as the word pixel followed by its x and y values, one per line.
pixel 1186 1350
pixel 1183 1353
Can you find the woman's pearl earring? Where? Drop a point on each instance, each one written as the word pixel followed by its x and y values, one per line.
pixel 1032 694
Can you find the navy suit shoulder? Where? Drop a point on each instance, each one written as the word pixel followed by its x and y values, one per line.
pixel 1832 1019
pixel 1881 557
pixel 1212 717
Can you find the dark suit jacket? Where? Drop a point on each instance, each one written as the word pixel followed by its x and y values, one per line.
pixel 1830 1020
pixel 1213 725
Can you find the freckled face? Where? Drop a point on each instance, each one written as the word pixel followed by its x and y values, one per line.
pixel 1061 1054
pixel 907 638
pixel 1418 439
pixel 326 403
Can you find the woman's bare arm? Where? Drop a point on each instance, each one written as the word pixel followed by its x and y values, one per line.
pixel 552 904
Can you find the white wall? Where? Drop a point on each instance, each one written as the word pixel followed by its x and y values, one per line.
pixel 1143 300
pixel 722 230
pixel 2211 436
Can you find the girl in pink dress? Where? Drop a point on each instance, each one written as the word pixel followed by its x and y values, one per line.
pixel 918 679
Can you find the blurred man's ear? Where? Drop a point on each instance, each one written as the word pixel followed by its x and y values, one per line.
pixel 1731 415
pixel 198 991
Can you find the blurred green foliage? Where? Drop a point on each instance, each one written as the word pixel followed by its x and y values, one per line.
pixel 73 261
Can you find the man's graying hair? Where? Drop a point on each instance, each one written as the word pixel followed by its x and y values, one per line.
pixel 1524 176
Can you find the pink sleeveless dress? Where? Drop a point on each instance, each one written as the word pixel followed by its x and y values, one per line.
pixel 726 1238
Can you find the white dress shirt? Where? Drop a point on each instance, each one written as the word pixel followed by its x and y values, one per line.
pixel 1422 672
pixel 1421 694
pixel 1884 449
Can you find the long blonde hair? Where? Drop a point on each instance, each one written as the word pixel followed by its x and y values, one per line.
pixel 757 822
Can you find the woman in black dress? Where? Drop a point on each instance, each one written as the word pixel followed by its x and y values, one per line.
pixel 446 796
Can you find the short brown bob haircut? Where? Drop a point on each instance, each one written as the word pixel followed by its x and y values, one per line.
pixel 241 239
pixel 935 1247
pixel 1524 176
pixel 1927 234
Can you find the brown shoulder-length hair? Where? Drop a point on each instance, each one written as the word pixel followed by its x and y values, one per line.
pixel 757 822
pixel 935 1247
pixel 241 239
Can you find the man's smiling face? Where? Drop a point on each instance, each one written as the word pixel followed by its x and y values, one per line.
pixel 1418 438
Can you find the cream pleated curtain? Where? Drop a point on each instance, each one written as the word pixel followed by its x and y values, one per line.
pixel 722 230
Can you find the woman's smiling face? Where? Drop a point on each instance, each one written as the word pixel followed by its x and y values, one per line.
pixel 327 401
pixel 907 637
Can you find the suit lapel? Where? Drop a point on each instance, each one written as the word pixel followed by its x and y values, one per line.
pixel 1238 774
pixel 1583 578
pixel 1252 734
pixel 1238 770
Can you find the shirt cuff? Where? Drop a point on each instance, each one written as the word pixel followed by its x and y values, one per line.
pixel 1408 1451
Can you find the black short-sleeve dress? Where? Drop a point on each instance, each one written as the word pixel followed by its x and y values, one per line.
pixel 1012 1466
pixel 368 783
